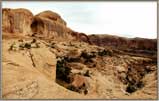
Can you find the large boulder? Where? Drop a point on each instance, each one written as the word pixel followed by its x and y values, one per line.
pixel 17 21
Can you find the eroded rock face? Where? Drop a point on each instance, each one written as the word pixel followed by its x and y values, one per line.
pixel 49 25
pixel 52 16
pixel 121 42
pixel 17 21
pixel 81 37
pixel 45 25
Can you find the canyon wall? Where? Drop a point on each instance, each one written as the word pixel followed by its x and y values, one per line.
pixel 16 21
pixel 124 43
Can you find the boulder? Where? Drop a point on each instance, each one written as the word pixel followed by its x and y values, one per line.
pixel 79 81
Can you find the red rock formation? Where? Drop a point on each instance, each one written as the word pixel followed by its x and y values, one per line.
pixel 49 25
pixel 46 24
pixel 81 37
pixel 79 81
pixel 124 43
pixel 17 21
pixel 52 16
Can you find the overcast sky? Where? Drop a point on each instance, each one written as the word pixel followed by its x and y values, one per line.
pixel 128 19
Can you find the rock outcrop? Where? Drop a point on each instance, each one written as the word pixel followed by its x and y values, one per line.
pixel 45 25
pixel 121 42
pixel 49 25
pixel 132 46
pixel 17 21
pixel 81 37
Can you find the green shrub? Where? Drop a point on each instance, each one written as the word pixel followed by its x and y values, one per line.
pixel 88 61
pixel 27 45
pixel 87 56
pixel 104 53
pixel 11 47
pixel 131 88
pixel 140 84
pixel 68 59
pixel 62 71
pixel 52 45
pixel 21 47
pixel 87 73
pixel 72 88
pixel 85 91
pixel 33 41
pixel 37 45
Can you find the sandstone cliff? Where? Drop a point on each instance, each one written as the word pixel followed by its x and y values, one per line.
pixel 17 21
pixel 121 42
pixel 49 25
pixel 46 25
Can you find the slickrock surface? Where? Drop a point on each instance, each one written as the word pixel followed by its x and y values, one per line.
pixel 44 59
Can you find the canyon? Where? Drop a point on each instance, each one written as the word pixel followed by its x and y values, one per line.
pixel 42 58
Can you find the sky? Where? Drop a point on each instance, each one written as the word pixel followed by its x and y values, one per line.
pixel 127 19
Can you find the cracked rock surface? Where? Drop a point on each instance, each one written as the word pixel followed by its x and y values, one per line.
pixel 76 70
